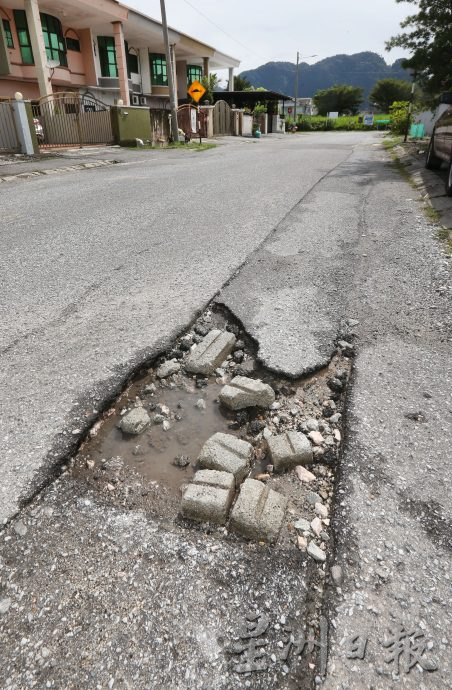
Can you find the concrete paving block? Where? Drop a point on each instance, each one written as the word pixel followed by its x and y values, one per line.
pixel 243 392
pixel 208 497
pixel 258 512
pixel 228 454
pixel 211 351
pixel 289 450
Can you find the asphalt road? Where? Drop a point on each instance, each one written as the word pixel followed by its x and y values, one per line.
pixel 101 268
pixel 100 280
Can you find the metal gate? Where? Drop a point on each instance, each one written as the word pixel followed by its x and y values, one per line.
pixel 188 120
pixel 222 119
pixel 9 141
pixel 69 118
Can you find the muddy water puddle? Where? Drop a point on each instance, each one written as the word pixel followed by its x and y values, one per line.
pixel 192 414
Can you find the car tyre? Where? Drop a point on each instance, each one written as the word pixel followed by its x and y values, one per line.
pixel 449 180
pixel 432 162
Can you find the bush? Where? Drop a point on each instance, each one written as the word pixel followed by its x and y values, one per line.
pixel 317 123
pixel 399 117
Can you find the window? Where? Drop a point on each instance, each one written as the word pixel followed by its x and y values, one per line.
pixel 8 34
pixel 194 73
pixel 132 61
pixel 107 56
pixel 26 52
pixel 159 75
pixel 53 39
pixel 73 44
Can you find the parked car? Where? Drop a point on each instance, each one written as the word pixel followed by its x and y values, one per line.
pixel 440 147
pixel 39 130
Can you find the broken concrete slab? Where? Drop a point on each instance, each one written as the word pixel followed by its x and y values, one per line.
pixel 243 392
pixel 227 453
pixel 211 351
pixel 172 366
pixel 289 450
pixel 135 421
pixel 258 512
pixel 208 497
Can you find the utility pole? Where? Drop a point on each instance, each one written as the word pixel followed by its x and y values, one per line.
pixel 410 108
pixel 169 71
pixel 296 88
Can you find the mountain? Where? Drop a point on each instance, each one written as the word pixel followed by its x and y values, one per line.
pixel 360 69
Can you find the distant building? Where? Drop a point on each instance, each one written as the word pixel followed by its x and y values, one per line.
pixel 305 106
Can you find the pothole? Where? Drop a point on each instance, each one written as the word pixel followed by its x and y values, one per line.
pixel 151 470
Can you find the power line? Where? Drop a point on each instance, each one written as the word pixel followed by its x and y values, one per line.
pixel 223 31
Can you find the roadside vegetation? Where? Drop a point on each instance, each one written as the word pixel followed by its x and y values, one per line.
pixel 317 123
pixel 190 146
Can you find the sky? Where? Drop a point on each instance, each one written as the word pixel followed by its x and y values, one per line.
pixel 259 31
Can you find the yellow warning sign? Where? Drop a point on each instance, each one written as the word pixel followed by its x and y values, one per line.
pixel 196 91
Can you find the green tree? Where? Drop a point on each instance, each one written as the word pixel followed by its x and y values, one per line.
pixel 210 83
pixel 241 84
pixel 386 91
pixel 341 98
pixel 429 40
pixel 400 115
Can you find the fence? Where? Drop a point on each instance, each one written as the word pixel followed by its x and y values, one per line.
pixel 72 118
pixel 9 140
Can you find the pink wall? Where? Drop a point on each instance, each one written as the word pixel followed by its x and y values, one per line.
pixel 80 70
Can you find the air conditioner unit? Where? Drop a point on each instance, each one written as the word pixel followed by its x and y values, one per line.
pixel 143 100
pixel 135 100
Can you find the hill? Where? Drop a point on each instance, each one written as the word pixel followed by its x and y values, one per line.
pixel 360 69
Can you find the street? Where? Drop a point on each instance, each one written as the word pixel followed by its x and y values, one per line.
pixel 304 241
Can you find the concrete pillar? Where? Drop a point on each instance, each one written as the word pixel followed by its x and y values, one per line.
pixel 231 79
pixel 38 47
pixel 173 67
pixel 145 68
pixel 121 62
pixel 23 127
pixel 181 78
pixel 205 67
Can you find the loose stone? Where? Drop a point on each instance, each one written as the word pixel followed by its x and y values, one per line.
pixel 244 392
pixel 135 421
pixel 316 526
pixel 313 498
pixel 210 353
pixel 315 552
pixel 172 366
pixel 302 525
pixel 181 461
pixel 302 543
pixel 304 475
pixel 316 437
pixel 20 528
pixel 201 404
pixel 312 425
pixel 337 574
pixel 4 605
pixel 289 450
pixel 321 510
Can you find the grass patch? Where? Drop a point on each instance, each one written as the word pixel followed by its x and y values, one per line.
pixel 431 213
pixel 191 146
pixel 445 237
pixel 390 142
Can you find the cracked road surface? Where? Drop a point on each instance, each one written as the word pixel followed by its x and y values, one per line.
pixel 101 268
pixel 93 289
